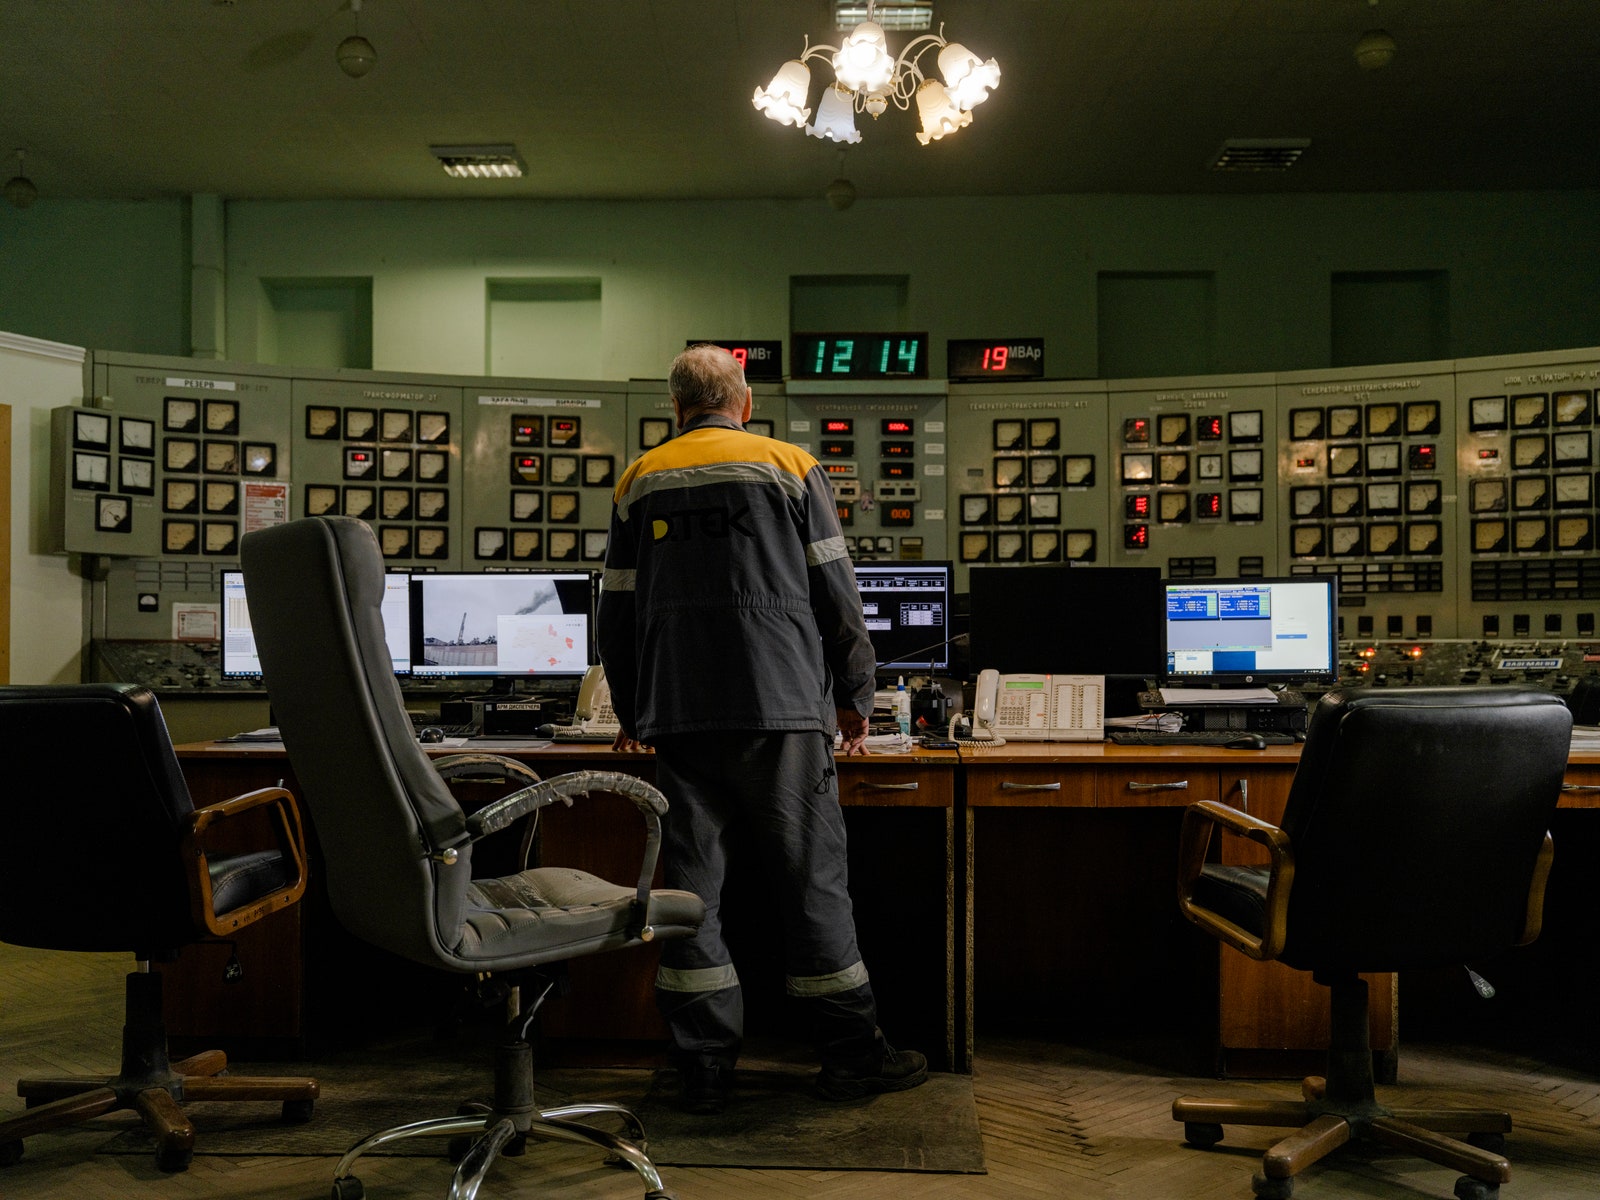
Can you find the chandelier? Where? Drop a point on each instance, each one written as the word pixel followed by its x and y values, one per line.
pixel 867 79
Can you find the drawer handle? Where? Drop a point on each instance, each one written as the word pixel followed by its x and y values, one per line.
pixel 891 787
pixel 1179 786
pixel 1007 786
pixel 1580 787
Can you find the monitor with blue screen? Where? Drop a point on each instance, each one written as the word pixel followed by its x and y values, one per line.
pixel 239 658
pixel 1252 632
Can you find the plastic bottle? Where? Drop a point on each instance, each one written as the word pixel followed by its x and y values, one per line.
pixel 902 707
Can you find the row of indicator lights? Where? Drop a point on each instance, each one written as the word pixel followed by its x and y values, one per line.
pixel 1177 429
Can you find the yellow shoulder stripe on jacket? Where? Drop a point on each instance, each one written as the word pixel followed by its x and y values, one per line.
pixel 713 445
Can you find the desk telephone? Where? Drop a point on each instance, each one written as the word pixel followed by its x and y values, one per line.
pixel 1040 708
pixel 592 714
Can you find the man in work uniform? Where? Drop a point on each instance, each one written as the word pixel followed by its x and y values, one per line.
pixel 732 637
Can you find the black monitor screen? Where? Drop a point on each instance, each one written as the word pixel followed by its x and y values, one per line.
pixel 1253 631
pixel 525 625
pixel 907 607
pixel 1067 621
pixel 239 657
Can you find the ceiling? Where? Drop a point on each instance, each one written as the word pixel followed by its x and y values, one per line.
pixel 651 98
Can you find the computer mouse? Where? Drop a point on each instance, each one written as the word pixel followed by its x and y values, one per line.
pixel 1248 741
pixel 430 735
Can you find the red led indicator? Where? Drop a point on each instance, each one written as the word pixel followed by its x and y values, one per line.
pixel 741 355
pixel 1209 429
pixel 525 463
pixel 1425 451
pixel 1136 537
pixel 360 456
pixel 839 468
pixel 894 426
pixel 837 426
pixel 1138 506
pixel 563 426
pixel 1305 464
pixel 1485 455
pixel 1210 504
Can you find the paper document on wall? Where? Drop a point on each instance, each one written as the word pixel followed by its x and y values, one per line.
pixel 1218 696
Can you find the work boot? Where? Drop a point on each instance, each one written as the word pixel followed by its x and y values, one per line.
pixel 705 1088
pixel 884 1070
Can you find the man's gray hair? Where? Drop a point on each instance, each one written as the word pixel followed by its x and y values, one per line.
pixel 707 378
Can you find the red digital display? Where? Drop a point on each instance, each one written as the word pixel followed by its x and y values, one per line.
pixel 897 449
pixel 838 425
pixel 741 355
pixel 359 456
pixel 527 462
pixel 1208 429
pixel 838 449
pixel 898 514
pixel 1137 506
pixel 1136 537
pixel 1136 430
pixel 993 358
pixel 895 470
pixel 563 426
pixel 839 468
pixel 900 426
pixel 1208 504
pixel 1485 455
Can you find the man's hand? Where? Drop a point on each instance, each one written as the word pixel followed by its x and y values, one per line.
pixel 627 745
pixel 852 731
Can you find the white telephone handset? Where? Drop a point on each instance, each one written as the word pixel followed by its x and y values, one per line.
pixel 593 709
pixel 1040 708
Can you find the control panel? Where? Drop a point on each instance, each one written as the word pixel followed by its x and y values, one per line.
pixel 651 419
pixel 1553 665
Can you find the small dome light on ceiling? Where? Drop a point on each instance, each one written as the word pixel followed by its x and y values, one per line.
pixel 1375 49
pixel 355 54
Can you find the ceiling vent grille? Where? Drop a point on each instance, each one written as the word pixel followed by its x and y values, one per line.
pixel 904 16
pixel 480 162
pixel 1259 154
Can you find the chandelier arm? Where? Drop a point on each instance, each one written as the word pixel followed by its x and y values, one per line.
pixel 908 74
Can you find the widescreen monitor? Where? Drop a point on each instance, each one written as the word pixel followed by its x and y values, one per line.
pixel 239 657
pixel 1067 621
pixel 516 625
pixel 907 609
pixel 1252 632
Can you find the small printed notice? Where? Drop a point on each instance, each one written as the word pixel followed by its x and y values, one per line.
pixel 265 505
pixel 196 622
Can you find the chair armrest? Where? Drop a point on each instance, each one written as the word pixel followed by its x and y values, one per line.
pixel 1534 921
pixel 1199 820
pixel 198 849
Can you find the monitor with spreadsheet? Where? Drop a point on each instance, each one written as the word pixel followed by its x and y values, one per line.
pixel 1067 620
pixel 907 607
pixel 1252 632
pixel 514 625
pixel 239 658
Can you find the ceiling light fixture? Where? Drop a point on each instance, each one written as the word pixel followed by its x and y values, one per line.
pixel 866 79
pixel 355 54
pixel 1375 49
pixel 480 162
pixel 19 188
pixel 1259 154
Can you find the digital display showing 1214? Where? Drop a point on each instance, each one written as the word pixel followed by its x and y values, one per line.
pixel 860 356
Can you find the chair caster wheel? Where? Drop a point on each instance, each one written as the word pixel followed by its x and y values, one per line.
pixel 1202 1133
pixel 661 1194
pixel 1272 1189
pixel 172 1159
pixel 10 1153
pixel 348 1188
pixel 1468 1188
pixel 1494 1143
pixel 297 1112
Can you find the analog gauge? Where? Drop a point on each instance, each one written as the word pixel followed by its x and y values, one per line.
pixel 395 541
pixel 322 423
pixel 1530 412
pixel 182 496
pixel 359 425
pixel 1044 471
pixel 1008 547
pixel 598 470
pixel 1422 418
pixel 975 547
pixel 1572 408
pixel 1423 498
pixel 1344 461
pixel 1383 458
pixel 1344 501
pixel 1487 414
pixel 1044 508
pixel 489 544
pixel 359 502
pixel 1244 465
pixel 1008 435
pixel 1044 433
pixel 594 545
pixel 1138 468
pixel 1079 545
pixel 1383 420
pixel 1244 426
pixel 321 501
pixel 1209 466
pixel 432 542
pixel 1575 533
pixel 1305 424
pixel 220 498
pixel 222 458
pixel 1008 472
pixel 394 504
pixel 653 431
pixel 1244 504
pixel 1172 508
pixel 182 455
pixel 111 514
pixel 1174 468
pixel 1532 450
pixel 1574 491
pixel 1077 470
pixel 1044 545
pixel 395 425
pixel 222 416
pixel 1530 491
pixel 180 537
pixel 975 510
pixel 433 428
pixel 759 428
pixel 1531 533
pixel 91 430
pixel 1173 429
pixel 137 475
pixel 1008 510
pixel 527 545
pixel 1383 537
pixel 1489 537
pixel 1308 541
pixel 564 507
pixel 1488 495
pixel 395 465
pixel 433 466
pixel 220 537
pixel 432 505
pixel 1136 431
pixel 1306 501
pixel 1570 449
pixel 1383 498
pixel 260 458
pixel 1423 537
pixel 181 416
pixel 1345 540
pixel 1344 421
pixel 137 436
pixel 527 506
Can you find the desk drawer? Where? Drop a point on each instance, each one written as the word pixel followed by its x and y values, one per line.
pixel 1156 785
pixel 1030 785
pixel 1581 786
pixel 896 785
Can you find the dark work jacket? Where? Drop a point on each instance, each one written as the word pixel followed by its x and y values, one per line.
pixel 728 601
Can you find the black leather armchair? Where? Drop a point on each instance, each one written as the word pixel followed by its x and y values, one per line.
pixel 145 875
pixel 397 848
pixel 1415 835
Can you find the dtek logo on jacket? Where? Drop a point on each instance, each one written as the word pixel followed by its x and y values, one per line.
pixel 714 522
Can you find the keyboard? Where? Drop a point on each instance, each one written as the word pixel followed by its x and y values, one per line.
pixel 577 733
pixel 1193 737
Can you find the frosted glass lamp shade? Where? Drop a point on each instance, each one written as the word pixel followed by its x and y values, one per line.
pixel 863 63
pixel 784 99
pixel 967 79
pixel 836 117
pixel 939 115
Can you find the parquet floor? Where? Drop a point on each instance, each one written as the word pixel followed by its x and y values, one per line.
pixel 1058 1122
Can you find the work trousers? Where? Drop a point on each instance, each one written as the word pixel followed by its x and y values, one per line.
pixel 778 792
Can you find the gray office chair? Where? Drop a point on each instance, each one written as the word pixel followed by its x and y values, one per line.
pixel 1415 835
pixel 110 854
pixel 397 848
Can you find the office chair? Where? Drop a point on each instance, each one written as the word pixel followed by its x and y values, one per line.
pixel 111 854
pixel 397 848
pixel 1415 835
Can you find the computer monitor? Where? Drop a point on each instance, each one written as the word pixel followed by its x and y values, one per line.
pixel 239 657
pixel 1067 621
pixel 1253 632
pixel 516 625
pixel 907 607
